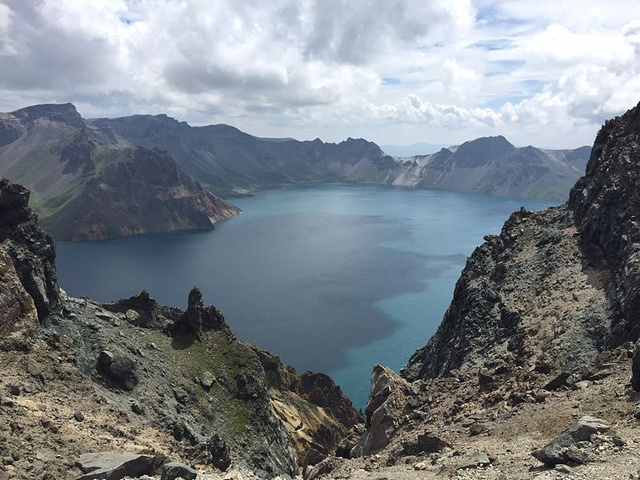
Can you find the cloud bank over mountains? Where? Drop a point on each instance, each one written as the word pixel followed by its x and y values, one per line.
pixel 394 71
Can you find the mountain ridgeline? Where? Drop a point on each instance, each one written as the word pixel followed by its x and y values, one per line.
pixel 232 162
pixel 103 178
pixel 85 188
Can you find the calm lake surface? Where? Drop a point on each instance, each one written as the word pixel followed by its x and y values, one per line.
pixel 330 277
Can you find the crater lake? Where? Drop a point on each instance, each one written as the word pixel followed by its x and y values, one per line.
pixel 332 278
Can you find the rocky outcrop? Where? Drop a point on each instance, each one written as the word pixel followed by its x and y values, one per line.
pixel 115 465
pixel 18 314
pixel 606 205
pixel 31 250
pixel 384 411
pixel 565 447
pixel 557 286
pixel 140 310
pixel 314 410
pixel 197 317
pixel 526 297
pixel 175 470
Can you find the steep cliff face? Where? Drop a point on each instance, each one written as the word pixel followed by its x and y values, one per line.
pixel 527 296
pixel 136 191
pixel 312 407
pixel 556 286
pixel 606 202
pixel 85 187
pixel 31 251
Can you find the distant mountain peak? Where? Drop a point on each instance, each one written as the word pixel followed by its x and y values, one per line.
pixel 497 142
pixel 483 149
pixel 57 112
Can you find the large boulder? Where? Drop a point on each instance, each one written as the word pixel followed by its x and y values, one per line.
pixel 175 470
pixel 118 370
pixel 561 449
pixel 115 465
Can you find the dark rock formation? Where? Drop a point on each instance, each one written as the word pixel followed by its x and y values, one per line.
pixel 525 297
pixel 118 369
pixel 31 250
pixel 214 451
pixel 115 465
pixel 197 317
pixel 145 307
pixel 561 449
pixel 606 202
pixel 175 470
pixel 384 410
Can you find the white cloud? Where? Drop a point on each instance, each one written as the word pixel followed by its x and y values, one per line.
pixel 391 70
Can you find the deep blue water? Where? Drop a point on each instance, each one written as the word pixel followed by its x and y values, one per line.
pixel 330 277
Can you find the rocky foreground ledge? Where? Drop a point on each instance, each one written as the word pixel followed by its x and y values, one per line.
pixel 134 388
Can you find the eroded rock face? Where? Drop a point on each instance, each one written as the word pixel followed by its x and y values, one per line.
pixel 312 407
pixel 525 297
pixel 31 250
pixel 607 208
pixel 18 315
pixel 384 411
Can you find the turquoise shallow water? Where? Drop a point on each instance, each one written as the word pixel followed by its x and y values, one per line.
pixel 331 277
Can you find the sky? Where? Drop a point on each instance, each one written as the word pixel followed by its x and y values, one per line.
pixel 544 72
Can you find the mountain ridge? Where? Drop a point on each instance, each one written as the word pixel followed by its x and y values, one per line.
pixel 61 157
pixel 72 170
pixel 243 163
